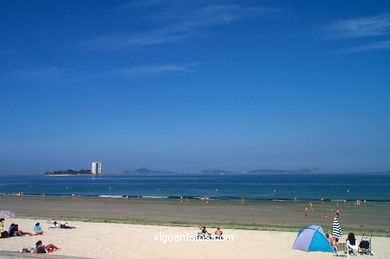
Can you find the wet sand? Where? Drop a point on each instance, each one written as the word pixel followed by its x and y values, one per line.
pixel 370 218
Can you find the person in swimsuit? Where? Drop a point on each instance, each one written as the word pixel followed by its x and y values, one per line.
pixel 218 234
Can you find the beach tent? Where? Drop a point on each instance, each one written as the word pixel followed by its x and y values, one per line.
pixel 311 239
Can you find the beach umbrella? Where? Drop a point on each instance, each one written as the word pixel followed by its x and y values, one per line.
pixel 6 214
pixel 312 239
pixel 336 232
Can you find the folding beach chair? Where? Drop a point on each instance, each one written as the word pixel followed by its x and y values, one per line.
pixel 365 246
pixel 342 249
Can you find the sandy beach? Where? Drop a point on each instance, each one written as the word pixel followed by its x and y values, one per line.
pixel 107 236
pixel 372 218
pixel 108 240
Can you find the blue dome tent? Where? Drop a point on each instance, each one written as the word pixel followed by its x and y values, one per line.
pixel 311 239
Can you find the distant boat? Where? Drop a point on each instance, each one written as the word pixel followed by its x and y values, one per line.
pixel 221 173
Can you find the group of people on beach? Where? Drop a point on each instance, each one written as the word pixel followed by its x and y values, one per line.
pixel 308 208
pixel 14 230
pixel 205 234
pixel 39 247
pixel 350 240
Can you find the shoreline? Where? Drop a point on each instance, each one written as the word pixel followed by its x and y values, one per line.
pixel 192 198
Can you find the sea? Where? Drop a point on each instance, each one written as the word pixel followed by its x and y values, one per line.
pixel 276 187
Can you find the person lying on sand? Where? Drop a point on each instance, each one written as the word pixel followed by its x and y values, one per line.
pixel 37 229
pixel 60 225
pixel 40 248
pixel 218 234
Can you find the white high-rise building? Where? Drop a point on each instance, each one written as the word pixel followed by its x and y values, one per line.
pixel 96 168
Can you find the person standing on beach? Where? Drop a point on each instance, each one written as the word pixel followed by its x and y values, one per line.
pixel 306 209
pixel 311 207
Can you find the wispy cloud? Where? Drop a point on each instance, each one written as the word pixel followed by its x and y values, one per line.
pixel 376 28
pixel 180 23
pixel 371 46
pixel 63 75
pixel 150 70
pixel 362 27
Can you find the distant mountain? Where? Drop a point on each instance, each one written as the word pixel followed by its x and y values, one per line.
pixel 265 171
pixel 216 171
pixel 145 171
pixel 279 171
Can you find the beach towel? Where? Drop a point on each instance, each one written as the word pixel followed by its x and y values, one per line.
pixel 35 234
pixel 48 251
pixel 34 251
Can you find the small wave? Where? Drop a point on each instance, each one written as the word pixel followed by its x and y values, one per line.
pixel 110 196
pixel 154 197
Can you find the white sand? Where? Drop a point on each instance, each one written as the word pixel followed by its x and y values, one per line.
pixel 107 240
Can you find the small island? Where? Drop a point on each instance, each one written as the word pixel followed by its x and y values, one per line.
pixel 68 172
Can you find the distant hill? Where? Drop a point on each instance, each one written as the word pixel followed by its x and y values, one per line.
pixel 216 171
pixel 279 171
pixel 68 172
pixel 145 171
pixel 259 171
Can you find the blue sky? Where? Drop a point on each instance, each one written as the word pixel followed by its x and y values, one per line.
pixel 186 85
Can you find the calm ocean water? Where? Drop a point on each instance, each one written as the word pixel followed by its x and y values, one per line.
pixel 370 187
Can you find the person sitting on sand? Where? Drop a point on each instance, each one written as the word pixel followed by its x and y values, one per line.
pixel 37 229
pixel 14 231
pixel 11 227
pixel 1 224
pixel 330 239
pixel 204 233
pixel 3 234
pixel 335 243
pixel 59 225
pixel 218 234
pixel 351 242
pixel 351 239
